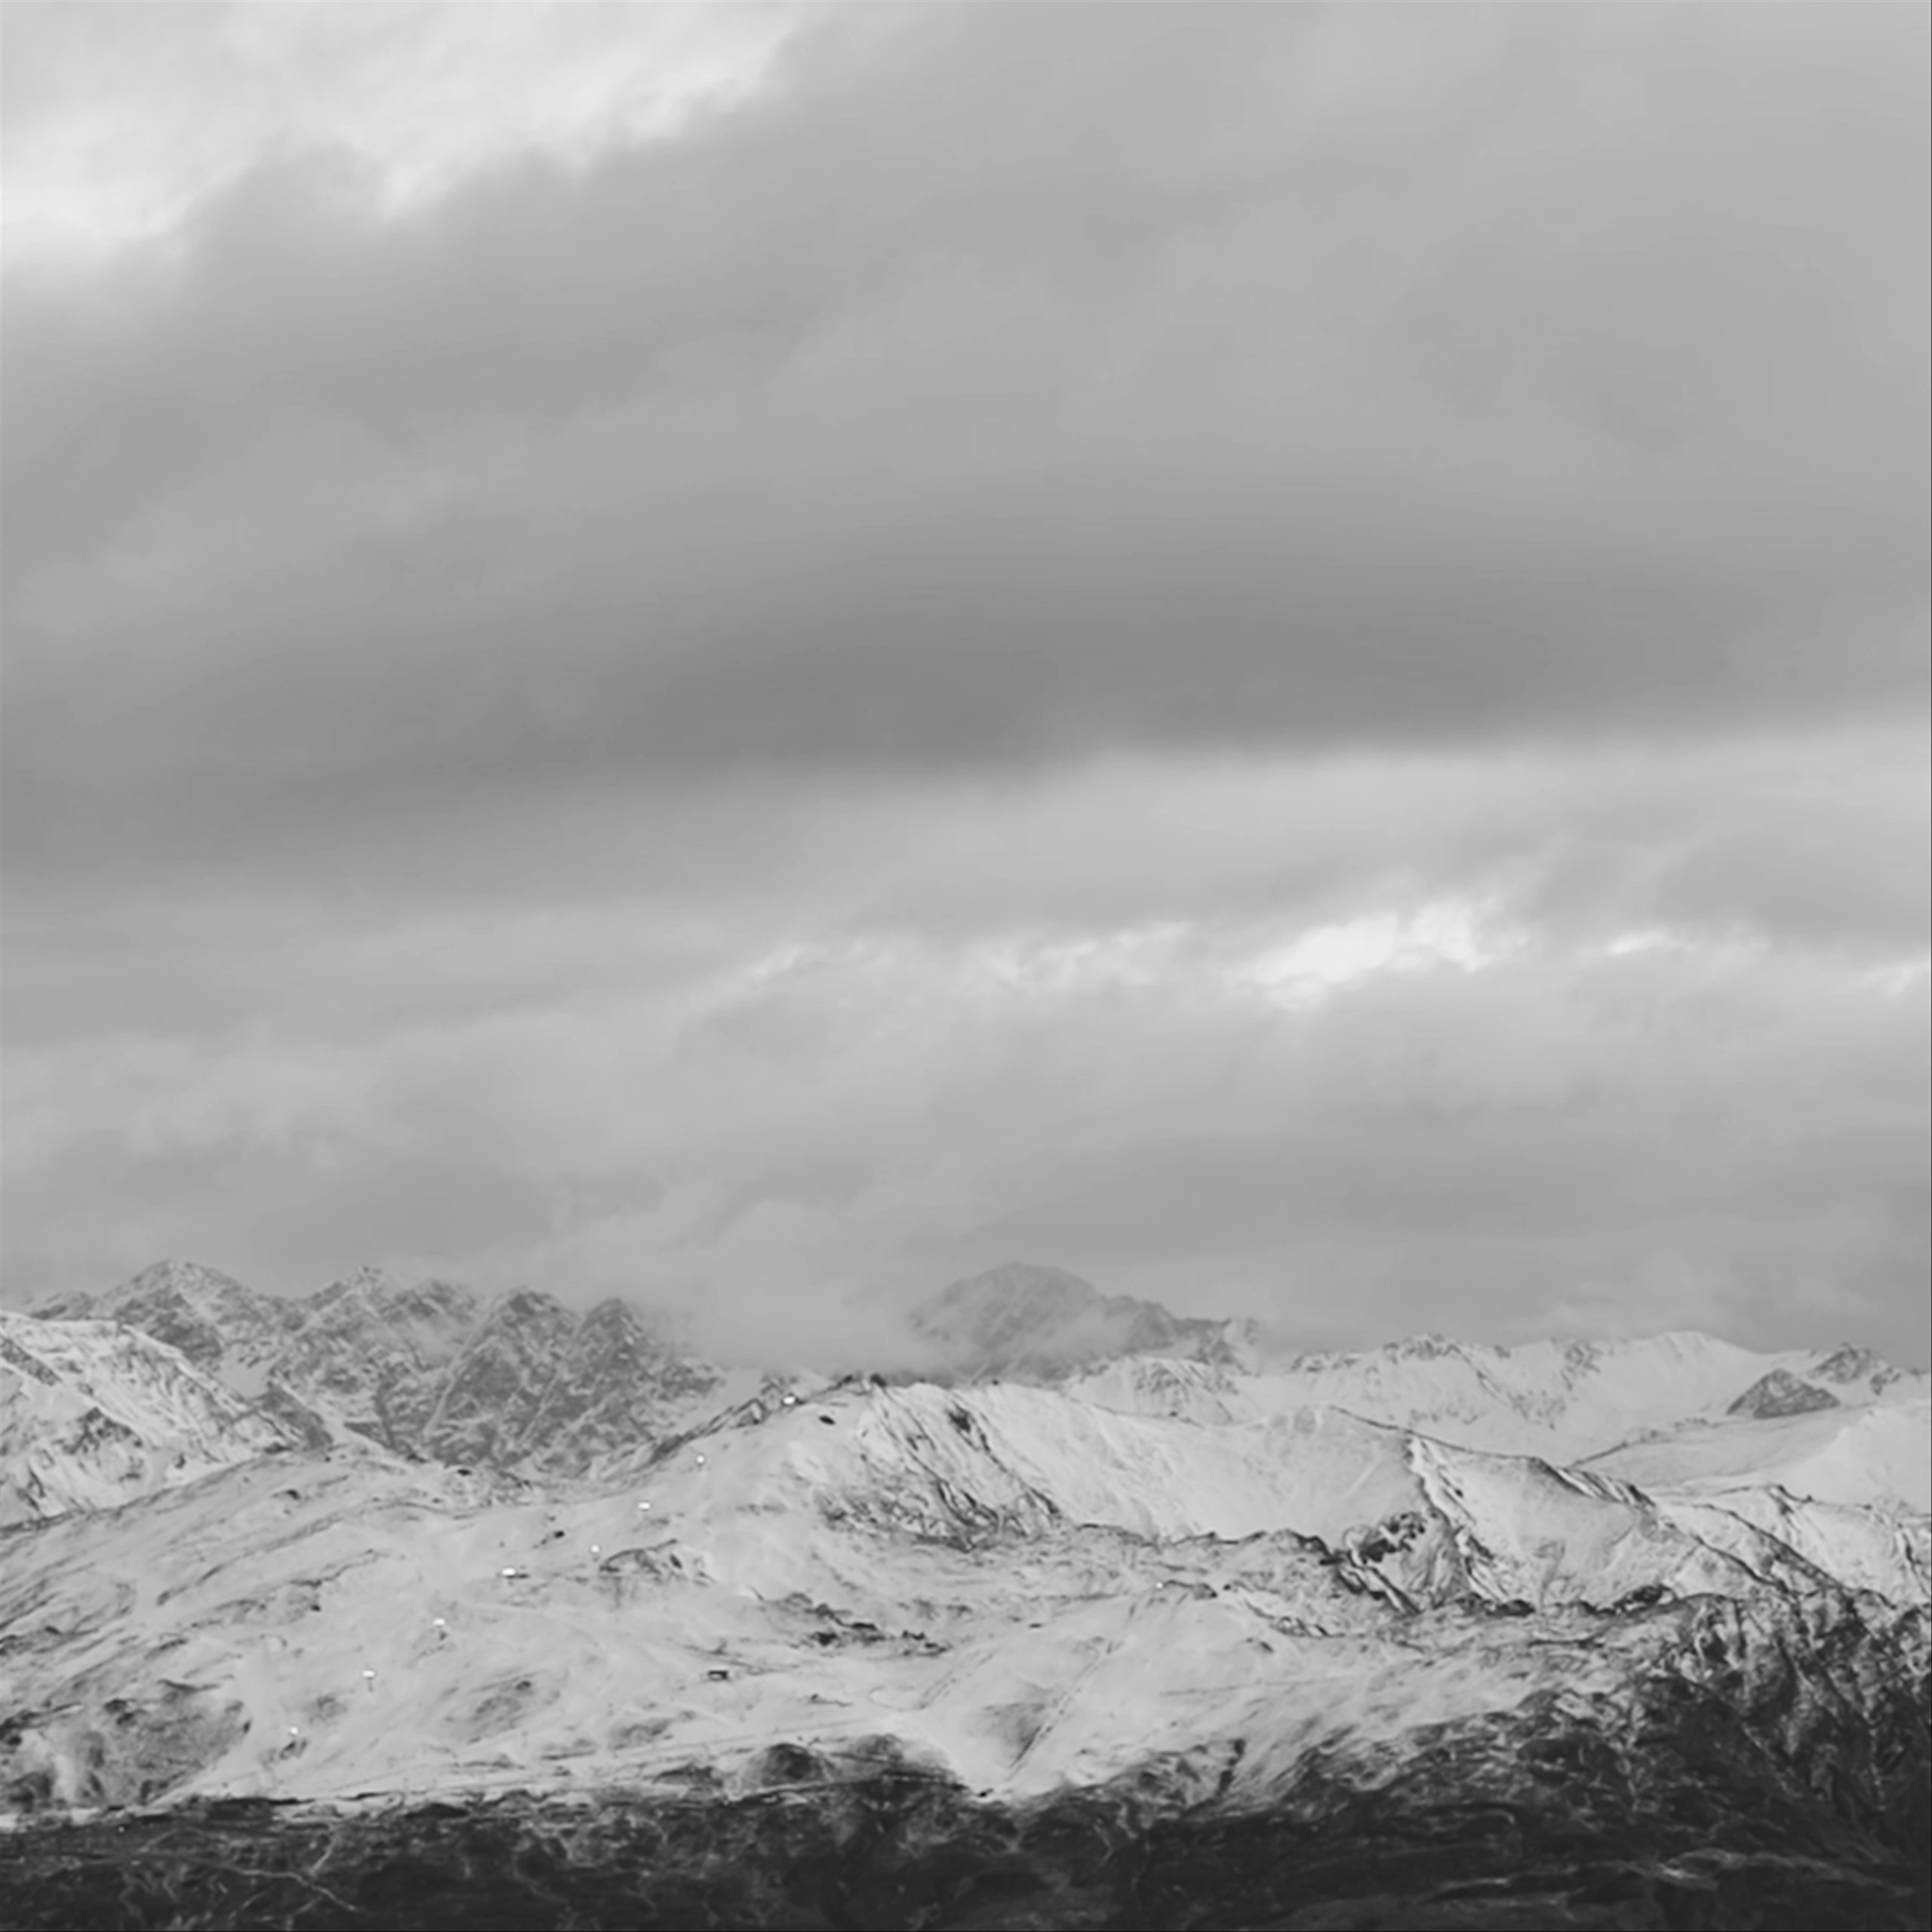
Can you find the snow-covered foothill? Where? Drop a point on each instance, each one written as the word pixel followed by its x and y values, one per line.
pixel 1010 1582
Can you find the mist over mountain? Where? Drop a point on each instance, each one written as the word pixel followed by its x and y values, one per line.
pixel 433 1369
pixel 1024 1319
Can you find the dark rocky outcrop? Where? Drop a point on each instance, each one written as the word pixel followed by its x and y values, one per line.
pixel 1781 1393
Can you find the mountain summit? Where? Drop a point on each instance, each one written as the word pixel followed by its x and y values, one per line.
pixel 426 1370
pixel 1022 1319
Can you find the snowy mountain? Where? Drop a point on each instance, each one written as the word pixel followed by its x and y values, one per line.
pixel 1569 1400
pixel 1008 1581
pixel 1026 1612
pixel 433 1369
pixel 94 1414
pixel 1671 1643
pixel 1022 1320
pixel 219 1324
pixel 428 1369
pixel 1881 1453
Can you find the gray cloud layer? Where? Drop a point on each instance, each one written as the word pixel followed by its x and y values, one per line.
pixel 1005 385
pixel 1024 474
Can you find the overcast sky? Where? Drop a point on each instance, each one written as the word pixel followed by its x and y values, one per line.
pixel 755 656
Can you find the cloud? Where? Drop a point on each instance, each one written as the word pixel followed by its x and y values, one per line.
pixel 120 125
pixel 1241 381
pixel 1485 1143
pixel 1278 653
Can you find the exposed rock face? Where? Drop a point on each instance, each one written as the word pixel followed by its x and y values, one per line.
pixel 617 1384
pixel 428 1369
pixel 489 1395
pixel 1781 1393
pixel 432 1370
pixel 1846 1363
pixel 215 1320
pixel 1750 1758
pixel 373 1353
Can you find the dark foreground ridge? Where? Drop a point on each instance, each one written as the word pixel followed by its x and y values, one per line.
pixel 1683 1821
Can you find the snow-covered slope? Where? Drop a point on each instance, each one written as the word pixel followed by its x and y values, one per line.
pixel 94 1414
pixel 1009 1583
pixel 1879 1453
pixel 1377 1604
pixel 1567 1400
pixel 1419 1520
pixel 430 1368
pixel 1863 1546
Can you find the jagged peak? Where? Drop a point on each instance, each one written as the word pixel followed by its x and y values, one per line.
pixel 376 1290
pixel 1781 1393
pixel 523 1303
pixel 366 1281
pixel 1848 1362
pixel 181 1277
pixel 198 1309
pixel 614 1321
pixel 189 1284
pixel 614 1312
pixel 1425 1348
pixel 78 1342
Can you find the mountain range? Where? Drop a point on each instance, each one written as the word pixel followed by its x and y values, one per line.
pixel 1067 1627
pixel 431 1369
pixel 434 1370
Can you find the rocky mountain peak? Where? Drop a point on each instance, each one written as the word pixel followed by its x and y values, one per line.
pixel 1431 1347
pixel 368 1281
pixel 1848 1362
pixel 499 1379
pixel 190 1280
pixel 1781 1393
pixel 429 1368
pixel 1023 1318
pixel 211 1317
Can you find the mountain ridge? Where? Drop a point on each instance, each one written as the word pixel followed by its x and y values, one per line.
pixel 428 1369
pixel 910 1556
pixel 434 1369
pixel 1183 1600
